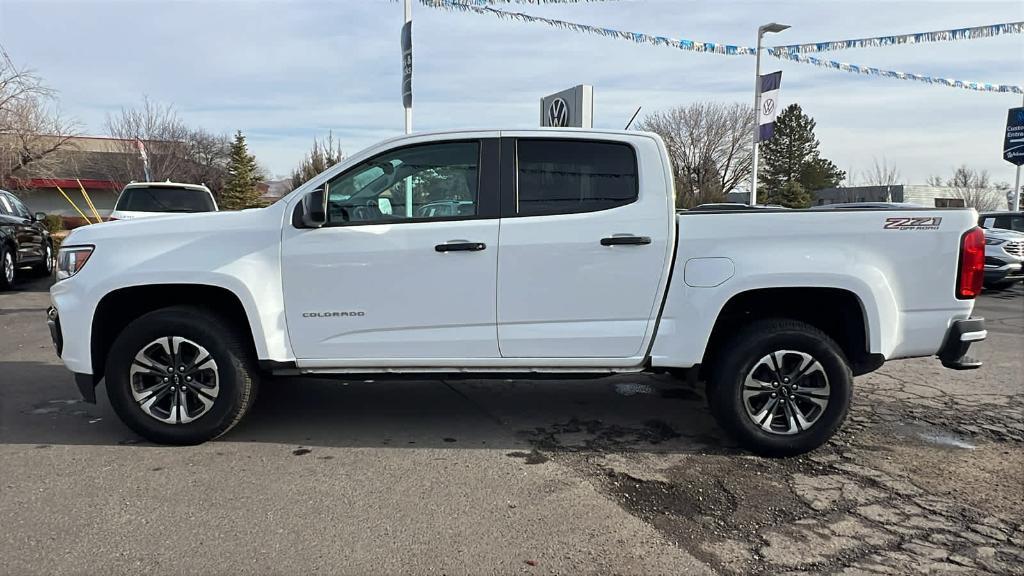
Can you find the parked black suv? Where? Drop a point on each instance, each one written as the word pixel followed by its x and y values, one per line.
pixel 24 241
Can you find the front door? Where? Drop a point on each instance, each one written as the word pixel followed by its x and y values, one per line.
pixel 405 267
pixel 585 246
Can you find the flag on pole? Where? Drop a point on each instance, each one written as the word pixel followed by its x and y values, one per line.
pixel 145 158
pixel 769 104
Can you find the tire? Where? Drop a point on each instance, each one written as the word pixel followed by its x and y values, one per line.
pixel 216 396
pixel 755 353
pixel 7 268
pixel 45 268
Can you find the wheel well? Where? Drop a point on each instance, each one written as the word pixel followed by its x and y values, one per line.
pixel 836 312
pixel 119 308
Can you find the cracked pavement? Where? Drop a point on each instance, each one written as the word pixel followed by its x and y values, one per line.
pixel 622 475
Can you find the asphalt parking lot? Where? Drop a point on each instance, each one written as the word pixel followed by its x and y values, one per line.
pixel 622 475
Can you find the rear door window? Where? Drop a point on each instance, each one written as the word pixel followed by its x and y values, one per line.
pixel 573 176
pixel 164 199
pixel 6 208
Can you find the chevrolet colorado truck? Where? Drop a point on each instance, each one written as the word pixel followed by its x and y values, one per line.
pixel 561 254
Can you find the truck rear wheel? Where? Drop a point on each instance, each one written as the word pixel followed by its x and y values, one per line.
pixel 180 375
pixel 780 387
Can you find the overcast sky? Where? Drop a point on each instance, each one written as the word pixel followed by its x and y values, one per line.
pixel 284 72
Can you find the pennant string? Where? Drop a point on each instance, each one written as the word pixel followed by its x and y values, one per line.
pixel 481 7
pixel 974 33
pixel 871 71
pixel 791 53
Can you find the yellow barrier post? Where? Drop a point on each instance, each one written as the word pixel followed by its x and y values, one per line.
pixel 89 201
pixel 73 205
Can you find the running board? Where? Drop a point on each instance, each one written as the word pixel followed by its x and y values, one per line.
pixel 463 371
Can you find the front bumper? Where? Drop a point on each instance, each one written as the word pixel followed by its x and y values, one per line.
pixel 85 382
pixel 959 338
pixel 53 323
pixel 999 270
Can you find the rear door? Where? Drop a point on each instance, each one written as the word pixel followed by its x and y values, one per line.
pixel 389 277
pixel 585 245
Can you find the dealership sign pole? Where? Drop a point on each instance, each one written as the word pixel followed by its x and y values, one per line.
pixel 407 92
pixel 407 66
pixel 1013 147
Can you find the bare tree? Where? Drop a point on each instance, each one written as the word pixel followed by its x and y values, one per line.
pixel 324 154
pixel 207 155
pixel 976 190
pixel 32 131
pixel 173 149
pixel 935 180
pixel 881 174
pixel 710 147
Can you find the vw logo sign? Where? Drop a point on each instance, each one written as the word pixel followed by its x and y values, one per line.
pixel 558 113
pixel 767 106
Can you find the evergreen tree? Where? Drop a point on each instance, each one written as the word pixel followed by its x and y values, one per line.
pixel 791 157
pixel 792 195
pixel 240 188
pixel 325 153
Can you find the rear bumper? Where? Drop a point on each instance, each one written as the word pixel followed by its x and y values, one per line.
pixel 959 337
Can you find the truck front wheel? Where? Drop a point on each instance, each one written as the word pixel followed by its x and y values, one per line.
pixel 180 375
pixel 780 387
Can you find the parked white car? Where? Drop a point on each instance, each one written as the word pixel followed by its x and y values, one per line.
pixel 571 259
pixel 146 199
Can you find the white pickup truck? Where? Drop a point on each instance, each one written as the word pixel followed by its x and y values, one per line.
pixel 526 252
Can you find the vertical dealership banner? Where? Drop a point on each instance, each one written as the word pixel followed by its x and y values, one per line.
pixel 407 65
pixel 769 107
pixel 1013 143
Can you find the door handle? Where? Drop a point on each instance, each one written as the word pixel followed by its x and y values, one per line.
pixel 460 246
pixel 625 240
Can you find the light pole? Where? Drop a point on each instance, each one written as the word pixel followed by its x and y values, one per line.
pixel 771 27
pixel 1016 181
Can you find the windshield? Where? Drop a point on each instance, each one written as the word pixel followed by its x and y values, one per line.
pixel 165 199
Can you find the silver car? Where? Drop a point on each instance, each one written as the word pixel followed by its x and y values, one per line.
pixel 1004 258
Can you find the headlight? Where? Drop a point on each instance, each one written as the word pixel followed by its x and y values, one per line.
pixel 71 259
pixel 993 241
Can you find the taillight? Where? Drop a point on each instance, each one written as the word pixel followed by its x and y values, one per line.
pixel 971 271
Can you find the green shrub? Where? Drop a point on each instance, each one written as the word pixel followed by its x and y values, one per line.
pixel 53 223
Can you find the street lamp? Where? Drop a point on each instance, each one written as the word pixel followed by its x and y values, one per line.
pixel 773 28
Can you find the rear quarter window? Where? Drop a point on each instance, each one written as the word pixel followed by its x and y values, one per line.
pixel 573 176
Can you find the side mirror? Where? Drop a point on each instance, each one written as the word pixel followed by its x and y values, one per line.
pixel 40 217
pixel 314 209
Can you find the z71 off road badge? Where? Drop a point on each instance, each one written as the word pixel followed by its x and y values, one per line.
pixel 930 223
